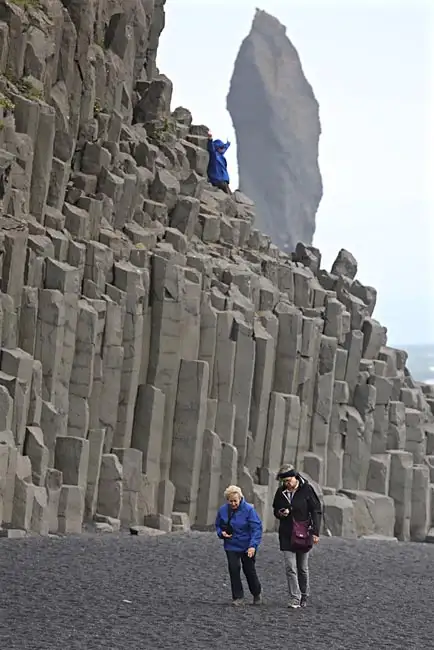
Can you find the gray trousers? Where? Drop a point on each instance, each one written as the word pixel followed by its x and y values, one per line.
pixel 297 574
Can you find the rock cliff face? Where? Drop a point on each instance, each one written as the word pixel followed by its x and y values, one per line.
pixel 155 346
pixel 276 120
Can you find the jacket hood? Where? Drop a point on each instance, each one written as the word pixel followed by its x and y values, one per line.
pixel 218 144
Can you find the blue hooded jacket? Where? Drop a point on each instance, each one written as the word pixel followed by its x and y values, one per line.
pixel 246 526
pixel 217 166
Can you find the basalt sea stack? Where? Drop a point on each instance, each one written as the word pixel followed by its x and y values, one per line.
pixel 276 120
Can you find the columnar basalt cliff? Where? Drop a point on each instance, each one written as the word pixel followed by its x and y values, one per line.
pixel 155 345
pixel 276 120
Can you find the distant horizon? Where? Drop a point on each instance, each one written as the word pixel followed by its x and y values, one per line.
pixel 413 345
pixel 420 362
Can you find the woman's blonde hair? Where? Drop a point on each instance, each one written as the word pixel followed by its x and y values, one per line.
pixel 285 468
pixel 233 489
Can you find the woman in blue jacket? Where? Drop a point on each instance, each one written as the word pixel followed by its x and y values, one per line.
pixel 238 524
pixel 218 166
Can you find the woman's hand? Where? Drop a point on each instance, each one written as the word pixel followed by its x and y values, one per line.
pixel 315 539
pixel 225 535
pixel 251 551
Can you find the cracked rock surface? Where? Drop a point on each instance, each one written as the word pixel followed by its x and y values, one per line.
pixel 156 346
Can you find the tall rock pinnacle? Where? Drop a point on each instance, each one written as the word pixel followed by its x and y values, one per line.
pixel 276 120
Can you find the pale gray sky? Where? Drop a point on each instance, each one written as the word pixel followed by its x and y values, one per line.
pixel 371 68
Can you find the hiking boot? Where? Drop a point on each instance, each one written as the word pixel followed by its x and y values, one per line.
pixel 303 601
pixel 294 603
pixel 257 600
pixel 238 602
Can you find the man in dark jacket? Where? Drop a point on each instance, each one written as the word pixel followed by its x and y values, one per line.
pixel 296 501
pixel 218 166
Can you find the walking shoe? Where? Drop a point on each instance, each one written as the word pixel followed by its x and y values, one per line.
pixel 294 603
pixel 257 600
pixel 238 602
pixel 303 601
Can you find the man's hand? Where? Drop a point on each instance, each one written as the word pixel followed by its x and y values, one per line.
pixel 251 552
pixel 284 512
pixel 315 539
pixel 226 535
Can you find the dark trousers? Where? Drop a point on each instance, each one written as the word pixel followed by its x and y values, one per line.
pixel 223 185
pixel 235 560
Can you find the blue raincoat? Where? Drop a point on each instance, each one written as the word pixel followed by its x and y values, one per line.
pixel 217 166
pixel 246 526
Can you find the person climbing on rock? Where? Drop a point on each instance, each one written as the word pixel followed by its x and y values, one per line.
pixel 218 166
pixel 298 509
pixel 239 525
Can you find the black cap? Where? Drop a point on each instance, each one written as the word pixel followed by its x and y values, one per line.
pixel 287 474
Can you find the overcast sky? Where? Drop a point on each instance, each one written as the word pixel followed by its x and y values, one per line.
pixel 371 68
